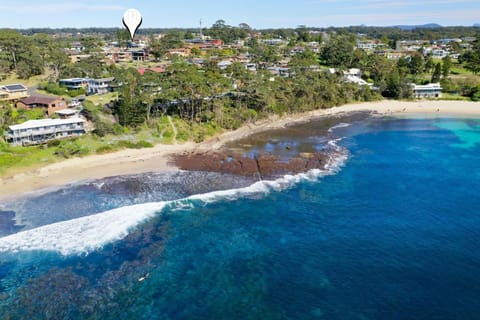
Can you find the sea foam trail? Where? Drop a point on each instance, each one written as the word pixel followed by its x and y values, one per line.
pixel 338 126
pixel 87 234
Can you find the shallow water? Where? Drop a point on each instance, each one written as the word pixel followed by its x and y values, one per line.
pixel 392 234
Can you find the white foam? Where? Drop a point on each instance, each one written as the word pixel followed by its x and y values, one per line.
pixel 81 235
pixel 86 234
pixel 340 125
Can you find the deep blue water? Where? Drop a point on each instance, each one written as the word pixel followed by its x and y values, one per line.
pixel 394 234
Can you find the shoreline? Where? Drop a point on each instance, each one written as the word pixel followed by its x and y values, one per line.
pixel 157 159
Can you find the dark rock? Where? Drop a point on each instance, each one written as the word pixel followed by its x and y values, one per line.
pixel 260 166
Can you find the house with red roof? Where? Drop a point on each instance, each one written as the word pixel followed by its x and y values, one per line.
pixel 49 103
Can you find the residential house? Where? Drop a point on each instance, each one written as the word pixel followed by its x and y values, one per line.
pixel 314 46
pixel 279 71
pixel 274 42
pixel 222 65
pixel 67 113
pixel 74 83
pixel 432 90
pixel 357 80
pixel 41 131
pixel 122 56
pixel 367 45
pixel 296 50
pixel 50 104
pixel 91 86
pixel 181 52
pixel 13 92
pixel 439 53
pixel 395 55
pixel 99 86
pixel 139 55
pixel 354 75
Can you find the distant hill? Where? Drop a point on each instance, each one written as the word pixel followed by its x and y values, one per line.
pixel 423 26
pixel 476 25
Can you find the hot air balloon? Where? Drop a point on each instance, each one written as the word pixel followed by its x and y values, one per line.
pixel 132 19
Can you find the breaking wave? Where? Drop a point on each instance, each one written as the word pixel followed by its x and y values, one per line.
pixel 83 235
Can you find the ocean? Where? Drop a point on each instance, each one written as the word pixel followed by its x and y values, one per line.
pixel 389 230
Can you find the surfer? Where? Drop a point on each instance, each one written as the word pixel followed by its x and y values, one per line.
pixel 144 277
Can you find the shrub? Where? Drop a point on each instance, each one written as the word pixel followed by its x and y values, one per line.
pixel 70 148
pixel 183 135
pixel 134 145
pixel 53 143
pixel 105 149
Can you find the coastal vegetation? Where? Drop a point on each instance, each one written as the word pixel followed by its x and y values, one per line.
pixel 196 97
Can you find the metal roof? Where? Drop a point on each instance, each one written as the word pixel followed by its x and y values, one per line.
pixel 14 87
pixel 31 124
pixel 32 100
pixel 66 112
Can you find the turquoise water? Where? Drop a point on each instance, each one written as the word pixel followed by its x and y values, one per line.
pixel 392 233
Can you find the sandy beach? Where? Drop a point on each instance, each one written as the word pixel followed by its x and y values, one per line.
pixel 156 159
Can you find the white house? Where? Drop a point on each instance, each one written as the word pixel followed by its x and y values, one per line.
pixel 13 92
pixel 432 90
pixel 99 86
pixel 92 86
pixel 74 83
pixel 41 131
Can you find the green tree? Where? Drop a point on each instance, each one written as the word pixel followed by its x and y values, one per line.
pixel 304 60
pixel 396 86
pixel 123 36
pixel 416 64
pixel 471 61
pixel 11 43
pixel 446 65
pixel 429 64
pixel 403 66
pixel 338 52
pixel 472 58
pixel 437 73
pixel 303 34
pixel 196 52
pixel 129 108
pixel 384 39
pixel 15 48
pixel 158 48
pixel 226 33
pixel 91 44
pixel 379 67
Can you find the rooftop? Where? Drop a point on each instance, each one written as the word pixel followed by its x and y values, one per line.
pixel 427 86
pixel 66 112
pixel 39 100
pixel 13 87
pixel 31 124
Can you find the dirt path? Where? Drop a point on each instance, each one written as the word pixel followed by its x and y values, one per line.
pixel 175 132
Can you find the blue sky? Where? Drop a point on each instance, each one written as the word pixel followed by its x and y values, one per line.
pixel 257 13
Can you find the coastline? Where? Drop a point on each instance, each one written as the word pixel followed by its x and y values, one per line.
pixel 157 159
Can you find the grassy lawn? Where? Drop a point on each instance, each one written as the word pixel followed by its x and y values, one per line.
pixel 12 79
pixel 458 69
pixel 103 98
pixel 14 159
pixel 454 97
